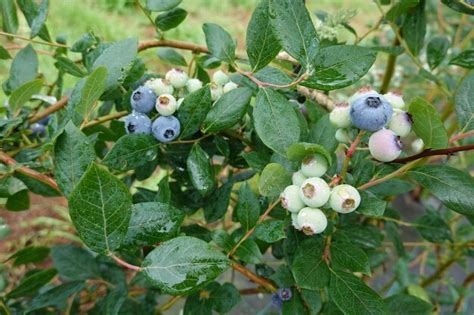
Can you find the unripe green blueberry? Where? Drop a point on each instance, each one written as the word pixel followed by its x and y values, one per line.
pixel 290 199
pixel 344 199
pixel 220 78
pixel 229 86
pixel 178 103
pixel 177 78
pixel 312 221
pixel 385 145
pixel 216 92
pixel 340 116
pixel 193 85
pixel 417 145
pixel 395 99
pixel 342 136
pixel 314 165
pixel 166 105
pixel 400 123
pixel 294 220
pixel 298 178
pixel 160 86
pixel 314 192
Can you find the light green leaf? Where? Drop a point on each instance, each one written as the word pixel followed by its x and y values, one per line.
pixel 184 265
pixel 69 66
pixel 249 252
pixel 273 180
pixel 370 205
pixel 131 151
pixel 171 56
pixel 24 68
pixel 464 101
pixel 193 111
pixel 162 5
pixel 299 151
pixel 93 88
pixel 309 269
pixel 220 43
pixel 348 256
pixel 271 231
pixel 39 20
pixel 9 16
pixel 323 133
pixel 23 94
pixel 100 209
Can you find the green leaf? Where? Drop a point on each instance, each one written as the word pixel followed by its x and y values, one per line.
pixel 462 6
pixel 271 231
pixel 370 205
pixel 293 27
pixel 309 269
pixel 224 298
pixel 93 88
pixel 100 207
pixel 22 94
pixel 220 43
pixel 427 124
pixel 248 208
pixel 433 228
pixel 170 19
pixel 465 59
pixel 193 111
pixel 275 121
pixel 294 306
pixel 75 263
pixel 24 68
pixel 324 133
pixel 32 283
pixel 184 265
pixel 69 66
pixel 117 58
pixel 404 304
pixel 249 252
pixel 161 5
pixel 73 153
pixel 414 28
pixel 19 201
pixel 31 254
pixel 464 100
pixel 39 20
pixel 56 296
pixel 217 203
pixel 339 66
pixel 171 56
pixel 436 50
pixel 453 187
pixel 228 110
pixel 153 222
pixel 262 44
pixel 313 300
pixel 352 296
pixel 273 180
pixel 4 54
pixel 400 8
pixel 131 151
pixel 9 16
pixel 299 151
pixel 348 256
pixel 200 170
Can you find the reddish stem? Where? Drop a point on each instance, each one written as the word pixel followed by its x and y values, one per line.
pixel 126 264
pixel 429 152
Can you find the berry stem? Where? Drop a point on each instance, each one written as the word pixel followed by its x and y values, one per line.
pixel 402 170
pixel 255 278
pixel 429 152
pixel 126 264
pixel 349 153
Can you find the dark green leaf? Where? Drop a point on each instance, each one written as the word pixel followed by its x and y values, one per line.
pixel 24 68
pixel 460 5
pixel 433 228
pixel 248 208
pixel 352 296
pixel 220 43
pixel 22 94
pixel 313 300
pixel 414 28
pixel 161 5
pixel 9 16
pixel 273 180
pixel 32 283
pixel 100 207
pixel 35 16
pixel 464 100
pixel 370 205
pixel 39 20
pixel 200 170
pixel 453 187
pixel 153 222
pixel 400 8
pixel 224 298
pixel 275 121
pixel 436 50
pixel 4 54
pixel 299 151
pixel 170 19
pixel 464 59
pixel 427 124
pixel 117 58
pixel 404 304
pixel 27 255
pixel 73 153
pixel 131 151
pixel 69 66
pixel 74 263
pixel 193 111
pixel 293 27
pixel 19 201
pixel 183 265
pixel 56 295
pixel 217 204
pixel 171 56
pixel 262 45
pixel 348 256
pixel 294 306
pixel 339 66
pixel 309 269
pixel 323 133
pixel 249 252
pixel 271 231
pixel 228 110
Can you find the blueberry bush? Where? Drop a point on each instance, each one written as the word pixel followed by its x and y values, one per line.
pixel 322 175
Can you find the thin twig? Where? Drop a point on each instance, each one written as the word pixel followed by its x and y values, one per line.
pixel 49 110
pixel 462 136
pixel 430 152
pixel 402 170
pixel 267 84
pixel 105 118
pixel 33 40
pixel 126 264
pixel 255 278
pixel 316 96
pixel 349 153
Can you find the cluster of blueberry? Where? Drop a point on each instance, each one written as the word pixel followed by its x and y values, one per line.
pixel 384 115
pixel 162 95
pixel 309 192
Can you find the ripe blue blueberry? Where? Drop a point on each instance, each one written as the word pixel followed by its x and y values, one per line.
pixel 143 99
pixel 44 121
pixel 38 130
pixel 138 123
pixel 370 111
pixel 285 294
pixel 166 128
